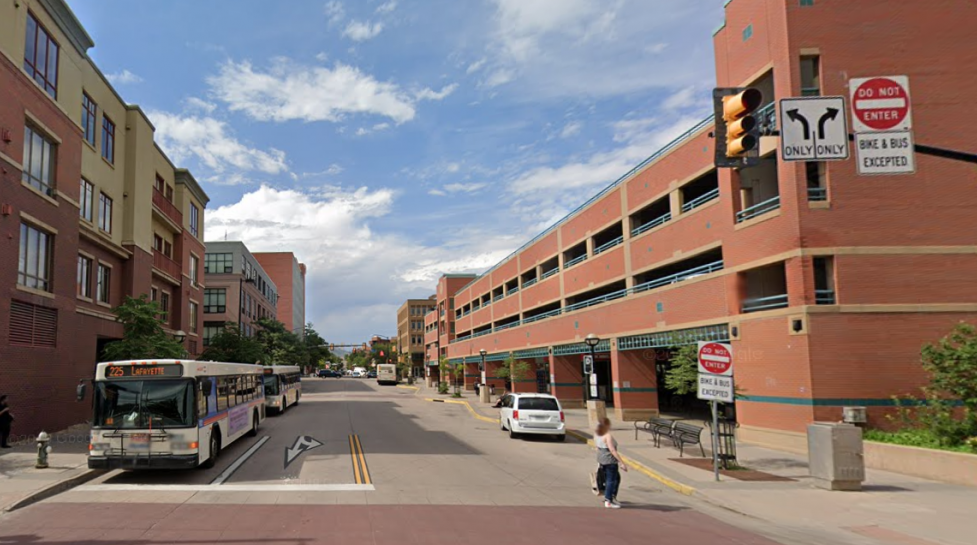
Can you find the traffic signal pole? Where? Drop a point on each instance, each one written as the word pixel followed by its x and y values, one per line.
pixel 953 155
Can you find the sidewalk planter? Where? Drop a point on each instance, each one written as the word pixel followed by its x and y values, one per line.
pixel 937 465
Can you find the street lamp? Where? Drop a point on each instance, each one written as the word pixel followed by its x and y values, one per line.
pixel 592 341
pixel 180 335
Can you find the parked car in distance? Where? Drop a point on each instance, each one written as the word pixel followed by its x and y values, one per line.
pixel 329 373
pixel 371 374
pixel 539 414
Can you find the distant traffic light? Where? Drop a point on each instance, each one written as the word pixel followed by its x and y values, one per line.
pixel 737 129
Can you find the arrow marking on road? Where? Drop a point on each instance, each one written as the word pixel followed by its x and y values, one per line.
pixel 829 115
pixel 794 115
pixel 302 444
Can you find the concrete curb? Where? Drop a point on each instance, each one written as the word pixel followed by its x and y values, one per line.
pixel 56 488
pixel 469 407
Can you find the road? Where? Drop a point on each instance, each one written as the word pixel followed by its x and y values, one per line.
pixel 386 467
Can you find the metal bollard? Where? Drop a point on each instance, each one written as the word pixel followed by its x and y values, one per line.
pixel 42 449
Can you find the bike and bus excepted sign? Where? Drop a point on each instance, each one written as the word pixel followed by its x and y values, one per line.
pixel 715 358
pixel 880 104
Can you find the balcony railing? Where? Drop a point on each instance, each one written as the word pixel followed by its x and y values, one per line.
pixel 768 205
pixel 764 303
pixel 486 303
pixel 550 273
pixel 651 224
pixel 767 117
pixel 810 91
pixel 467 312
pixel 608 245
pixel 817 193
pixel 543 316
pixel 497 297
pixel 165 264
pixel 462 338
pixel 701 200
pixel 824 297
pixel 678 277
pixel 528 283
pixel 596 300
pixel 481 333
pixel 574 261
pixel 513 290
pixel 508 326
pixel 167 208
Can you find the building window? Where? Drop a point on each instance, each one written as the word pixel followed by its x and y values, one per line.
pixel 38 161
pixel 34 265
pixel 157 242
pixel 160 185
pixel 215 300
pixel 87 203
pixel 84 277
pixel 102 283
pixel 41 56
pixel 194 265
pixel 104 212
pixel 194 220
pixel 211 330
pixel 218 263
pixel 193 316
pixel 810 76
pixel 154 294
pixel 164 306
pixel 108 139
pixel 88 109
pixel 167 249
pixel 169 193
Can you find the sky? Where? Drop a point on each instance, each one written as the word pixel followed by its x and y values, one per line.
pixel 387 142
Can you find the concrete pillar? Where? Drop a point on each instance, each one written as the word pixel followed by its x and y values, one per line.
pixel 484 396
pixel 596 411
pixel 634 384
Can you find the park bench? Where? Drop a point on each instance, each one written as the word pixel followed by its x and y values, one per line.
pixel 680 433
pixel 656 427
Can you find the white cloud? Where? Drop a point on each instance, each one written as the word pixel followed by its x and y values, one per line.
pixel 322 56
pixel 464 188
pixel 194 103
pixel 572 128
pixel 209 139
pixel 655 49
pixel 428 94
pixel 122 78
pixel 335 12
pixel 288 91
pixel 437 192
pixel 387 7
pixel 359 31
pixel 476 66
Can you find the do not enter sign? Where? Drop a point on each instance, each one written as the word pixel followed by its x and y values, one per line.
pixel 715 358
pixel 880 104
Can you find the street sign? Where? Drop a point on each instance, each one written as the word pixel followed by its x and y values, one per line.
pixel 813 129
pixel 715 358
pixel 588 365
pixel 880 104
pixel 885 152
pixel 593 386
pixel 715 387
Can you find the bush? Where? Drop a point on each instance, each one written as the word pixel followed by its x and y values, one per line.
pixel 442 387
pixel 918 438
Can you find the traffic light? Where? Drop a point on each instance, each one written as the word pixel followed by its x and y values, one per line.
pixel 737 128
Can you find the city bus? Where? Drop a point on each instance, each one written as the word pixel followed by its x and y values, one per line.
pixel 283 386
pixel 171 414
pixel 386 373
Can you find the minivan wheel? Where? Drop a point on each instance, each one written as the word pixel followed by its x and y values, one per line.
pixel 512 434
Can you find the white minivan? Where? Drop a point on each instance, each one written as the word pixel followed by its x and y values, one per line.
pixel 532 414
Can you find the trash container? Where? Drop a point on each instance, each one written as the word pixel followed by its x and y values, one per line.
pixel 835 456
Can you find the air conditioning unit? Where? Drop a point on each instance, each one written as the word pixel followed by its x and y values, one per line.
pixel 854 415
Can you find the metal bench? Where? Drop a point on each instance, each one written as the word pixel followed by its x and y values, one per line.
pixel 657 427
pixel 683 434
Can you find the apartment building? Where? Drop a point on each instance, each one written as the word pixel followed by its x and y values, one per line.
pixel 410 331
pixel 288 274
pixel 93 208
pixel 439 324
pixel 826 283
pixel 239 290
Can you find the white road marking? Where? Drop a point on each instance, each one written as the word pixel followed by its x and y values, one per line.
pixel 237 463
pixel 227 487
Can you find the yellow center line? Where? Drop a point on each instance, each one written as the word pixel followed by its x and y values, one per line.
pixel 356 467
pixel 365 470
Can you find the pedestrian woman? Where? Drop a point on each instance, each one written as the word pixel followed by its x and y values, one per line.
pixel 610 462
pixel 5 419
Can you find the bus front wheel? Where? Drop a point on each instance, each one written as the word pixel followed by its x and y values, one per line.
pixel 215 448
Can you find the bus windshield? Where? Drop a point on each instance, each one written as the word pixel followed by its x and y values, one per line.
pixel 271 385
pixel 143 404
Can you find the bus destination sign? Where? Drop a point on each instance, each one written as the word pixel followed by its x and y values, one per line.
pixel 139 371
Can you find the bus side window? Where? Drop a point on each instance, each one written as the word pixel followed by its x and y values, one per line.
pixel 203 394
pixel 221 394
pixel 248 388
pixel 239 388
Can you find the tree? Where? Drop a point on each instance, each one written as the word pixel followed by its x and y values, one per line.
pixel 230 345
pixel 683 376
pixel 280 346
pixel 512 370
pixel 316 351
pixel 143 335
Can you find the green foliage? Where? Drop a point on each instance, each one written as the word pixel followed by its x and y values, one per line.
pixel 442 387
pixel 513 370
pixel 918 438
pixel 683 376
pixel 952 365
pixel 230 345
pixel 143 334
pixel 280 346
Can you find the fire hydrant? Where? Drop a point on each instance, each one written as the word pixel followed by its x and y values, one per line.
pixel 42 449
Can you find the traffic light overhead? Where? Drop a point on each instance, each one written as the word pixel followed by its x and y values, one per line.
pixel 737 129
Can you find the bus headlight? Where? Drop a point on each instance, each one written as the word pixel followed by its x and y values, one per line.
pixel 185 446
pixel 98 447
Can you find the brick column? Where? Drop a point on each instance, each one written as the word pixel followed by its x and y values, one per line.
pixel 567 380
pixel 635 384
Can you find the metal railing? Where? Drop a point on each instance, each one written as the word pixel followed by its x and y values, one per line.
pixel 824 297
pixel 528 283
pixel 608 245
pixel 768 205
pixel 764 303
pixel 810 91
pixel 498 297
pixel 508 326
pixel 701 200
pixel 817 193
pixel 482 333
pixel 466 312
pixel 462 338
pixel 574 261
pixel 767 117
pixel 550 273
pixel 543 316
pixel 596 300
pixel 678 277
pixel 513 290
pixel 651 224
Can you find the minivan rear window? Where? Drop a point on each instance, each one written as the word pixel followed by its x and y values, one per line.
pixel 538 404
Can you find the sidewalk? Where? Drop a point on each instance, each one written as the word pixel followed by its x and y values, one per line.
pixel 21 484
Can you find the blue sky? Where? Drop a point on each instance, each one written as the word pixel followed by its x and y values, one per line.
pixel 387 142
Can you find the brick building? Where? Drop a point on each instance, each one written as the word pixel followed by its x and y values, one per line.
pixel 410 331
pixel 825 282
pixel 439 324
pixel 288 274
pixel 238 291
pixel 95 210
